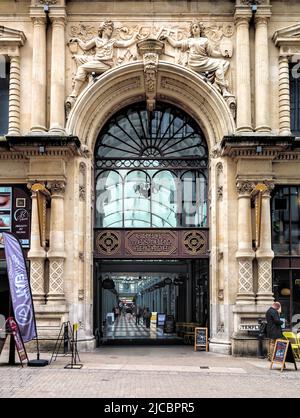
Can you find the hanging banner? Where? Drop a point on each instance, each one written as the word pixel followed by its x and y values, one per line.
pixel 19 287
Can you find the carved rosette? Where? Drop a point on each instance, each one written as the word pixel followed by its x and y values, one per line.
pixel 108 243
pixel 194 242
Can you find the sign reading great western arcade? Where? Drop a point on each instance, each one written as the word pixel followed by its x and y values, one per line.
pixel 147 243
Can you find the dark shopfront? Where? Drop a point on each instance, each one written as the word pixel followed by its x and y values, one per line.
pixel 286 246
pixel 15 215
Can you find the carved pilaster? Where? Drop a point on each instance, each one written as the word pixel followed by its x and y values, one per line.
pixel 262 107
pixel 56 253
pixel 38 97
pixel 57 104
pixel 151 50
pixel 243 89
pixel 245 253
pixel 36 255
pixel 14 97
pixel 265 254
pixel 284 97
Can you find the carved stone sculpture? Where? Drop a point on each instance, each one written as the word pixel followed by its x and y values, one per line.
pixel 203 58
pixel 103 58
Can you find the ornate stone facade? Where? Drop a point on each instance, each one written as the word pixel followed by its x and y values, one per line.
pixel 75 66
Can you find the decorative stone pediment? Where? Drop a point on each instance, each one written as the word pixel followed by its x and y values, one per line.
pixel 288 38
pixel 11 37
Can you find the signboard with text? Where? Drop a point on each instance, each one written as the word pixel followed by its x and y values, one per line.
pixel 15 209
pixel 201 338
pixel 283 353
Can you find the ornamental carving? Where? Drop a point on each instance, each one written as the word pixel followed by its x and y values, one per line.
pixel 108 243
pixel 48 2
pixel 194 242
pixel 57 187
pixel 244 187
pixel 204 49
pixel 150 244
pixel 159 243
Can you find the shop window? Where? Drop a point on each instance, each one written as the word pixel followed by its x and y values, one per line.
pixel 286 221
pixel 4 95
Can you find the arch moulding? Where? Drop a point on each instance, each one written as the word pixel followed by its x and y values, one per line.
pixel 124 85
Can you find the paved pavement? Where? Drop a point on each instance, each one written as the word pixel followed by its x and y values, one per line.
pixel 150 372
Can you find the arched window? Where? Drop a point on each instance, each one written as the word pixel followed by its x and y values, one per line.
pixel 151 170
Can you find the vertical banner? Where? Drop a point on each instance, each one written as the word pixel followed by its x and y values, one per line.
pixel 19 287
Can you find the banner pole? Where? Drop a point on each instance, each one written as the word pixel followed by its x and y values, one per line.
pixel 38 362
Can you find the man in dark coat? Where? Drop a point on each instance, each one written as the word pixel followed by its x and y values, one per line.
pixel 273 326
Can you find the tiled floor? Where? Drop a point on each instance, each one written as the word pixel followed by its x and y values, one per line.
pixel 125 327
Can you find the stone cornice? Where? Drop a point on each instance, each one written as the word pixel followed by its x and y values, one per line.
pixel 11 37
pixel 22 147
pixel 289 36
pixel 270 147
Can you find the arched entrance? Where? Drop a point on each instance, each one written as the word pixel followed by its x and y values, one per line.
pixel 151 224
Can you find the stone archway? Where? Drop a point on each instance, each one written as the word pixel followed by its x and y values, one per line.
pixel 124 85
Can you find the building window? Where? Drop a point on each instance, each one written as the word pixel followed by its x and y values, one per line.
pixel 295 100
pixel 151 170
pixel 286 221
pixel 286 246
pixel 4 95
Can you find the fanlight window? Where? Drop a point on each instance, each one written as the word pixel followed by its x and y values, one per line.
pixel 151 170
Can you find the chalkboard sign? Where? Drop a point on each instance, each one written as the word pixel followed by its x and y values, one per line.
pixel 201 340
pixel 283 353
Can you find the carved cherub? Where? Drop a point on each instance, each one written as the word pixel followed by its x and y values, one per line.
pixel 103 58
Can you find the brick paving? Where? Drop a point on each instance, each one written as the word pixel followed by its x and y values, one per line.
pixel 149 372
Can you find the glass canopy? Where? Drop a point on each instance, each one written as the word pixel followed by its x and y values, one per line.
pixel 151 170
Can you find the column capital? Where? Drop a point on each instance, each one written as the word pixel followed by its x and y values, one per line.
pixel 58 20
pixel 38 20
pixel 244 187
pixel 242 20
pixel 261 20
pixel 57 187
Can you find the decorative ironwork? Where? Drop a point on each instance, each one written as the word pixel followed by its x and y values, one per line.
pixel 108 243
pixel 194 242
pixel 167 132
pixel 180 164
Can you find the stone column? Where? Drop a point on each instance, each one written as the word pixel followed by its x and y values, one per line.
pixel 243 87
pixel 262 106
pixel 14 97
pixel 245 253
pixel 57 103
pixel 36 255
pixel 56 254
pixel 264 254
pixel 284 97
pixel 38 85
